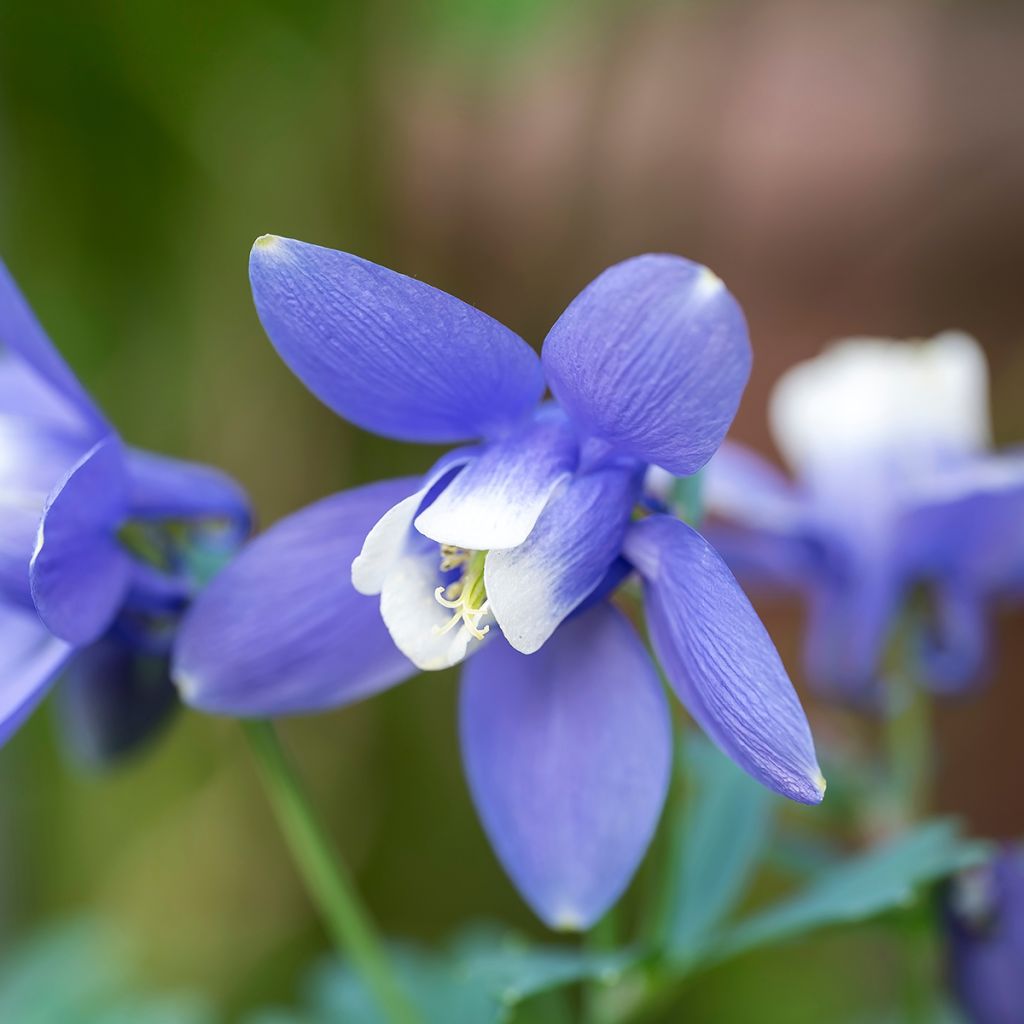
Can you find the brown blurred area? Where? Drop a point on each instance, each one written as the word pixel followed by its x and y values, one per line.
pixel 847 168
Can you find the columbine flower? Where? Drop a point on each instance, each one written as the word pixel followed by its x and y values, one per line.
pixel 985 913
pixel 506 552
pixel 896 495
pixel 99 542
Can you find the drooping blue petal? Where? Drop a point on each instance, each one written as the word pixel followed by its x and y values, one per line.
pixel 720 660
pixel 567 754
pixel 852 609
pixel 652 357
pixel 495 501
pixel 112 700
pixel 34 458
pixel 30 658
pixel 79 572
pixel 282 630
pixel 534 586
pixel 953 649
pixel 24 338
pixel 390 353
pixel 166 488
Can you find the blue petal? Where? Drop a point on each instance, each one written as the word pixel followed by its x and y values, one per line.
pixel 79 572
pixel 281 630
pixel 112 700
pixel 567 754
pixel 387 352
pixel 758 522
pixel 969 522
pixel 741 486
pixel 33 459
pixel 24 338
pixel 851 612
pixel 496 500
pixel 985 918
pixel 30 658
pixel 652 357
pixel 533 587
pixel 720 660
pixel 955 645
pixel 165 488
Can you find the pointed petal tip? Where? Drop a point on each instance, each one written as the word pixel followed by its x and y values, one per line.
pixel 820 784
pixel 708 283
pixel 266 244
pixel 568 920
pixel 810 791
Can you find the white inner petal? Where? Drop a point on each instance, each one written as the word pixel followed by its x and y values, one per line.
pixel 865 397
pixel 384 544
pixel 415 619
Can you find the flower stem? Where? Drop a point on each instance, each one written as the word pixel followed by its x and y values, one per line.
pixel 325 875
pixel 908 728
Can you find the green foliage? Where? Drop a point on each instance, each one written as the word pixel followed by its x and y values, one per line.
pixel 722 835
pixel 79 973
pixel 483 977
pixel 885 878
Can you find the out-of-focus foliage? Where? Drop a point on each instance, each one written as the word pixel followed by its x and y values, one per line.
pixel 82 972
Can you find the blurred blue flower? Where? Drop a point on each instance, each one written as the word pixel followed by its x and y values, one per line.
pixel 897 497
pixel 100 544
pixel 565 730
pixel 985 914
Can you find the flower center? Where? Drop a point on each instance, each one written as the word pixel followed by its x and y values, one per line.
pixel 466 596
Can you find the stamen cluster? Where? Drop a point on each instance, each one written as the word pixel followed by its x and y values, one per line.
pixel 466 596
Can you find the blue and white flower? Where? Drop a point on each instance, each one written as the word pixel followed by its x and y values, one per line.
pixel 895 494
pixel 505 554
pixel 100 543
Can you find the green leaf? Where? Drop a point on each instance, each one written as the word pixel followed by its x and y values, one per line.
pixel 723 834
pixel 80 972
pixel 57 973
pixel 513 971
pixel 882 879
pixel 434 985
pixel 480 979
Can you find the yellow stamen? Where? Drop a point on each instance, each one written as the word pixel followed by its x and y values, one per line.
pixel 466 596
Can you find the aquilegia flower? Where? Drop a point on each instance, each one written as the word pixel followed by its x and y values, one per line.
pixel 897 498
pixel 101 548
pixel 985 915
pixel 506 552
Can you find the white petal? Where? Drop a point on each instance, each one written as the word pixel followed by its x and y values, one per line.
pixel 383 545
pixel 866 397
pixel 495 502
pixel 412 614
pixel 387 538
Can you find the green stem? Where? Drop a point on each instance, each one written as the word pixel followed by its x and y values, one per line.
pixel 600 939
pixel 908 729
pixel 325 876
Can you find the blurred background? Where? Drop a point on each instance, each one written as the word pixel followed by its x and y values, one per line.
pixel 848 168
